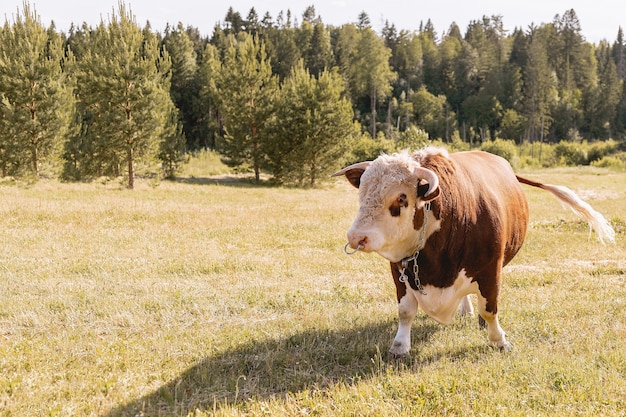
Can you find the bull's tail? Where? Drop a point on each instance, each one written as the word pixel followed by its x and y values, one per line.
pixel 596 220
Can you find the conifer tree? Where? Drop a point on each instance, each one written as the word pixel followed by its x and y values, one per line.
pixel 123 86
pixel 311 129
pixel 619 54
pixel 185 86
pixel 281 49
pixel 619 120
pixel 430 58
pixel 36 96
pixel 408 60
pixel 319 55
pixel 208 73
pixel 247 90
pixel 602 97
pixel 172 147
pixel 344 44
pixel 539 87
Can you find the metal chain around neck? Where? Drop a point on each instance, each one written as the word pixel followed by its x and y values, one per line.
pixel 405 261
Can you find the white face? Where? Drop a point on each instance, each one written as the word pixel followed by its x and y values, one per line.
pixel 388 201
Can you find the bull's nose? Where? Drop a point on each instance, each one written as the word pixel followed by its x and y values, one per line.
pixel 357 240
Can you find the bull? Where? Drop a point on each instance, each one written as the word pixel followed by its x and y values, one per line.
pixel 448 224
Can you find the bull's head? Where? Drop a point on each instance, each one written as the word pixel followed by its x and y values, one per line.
pixel 393 190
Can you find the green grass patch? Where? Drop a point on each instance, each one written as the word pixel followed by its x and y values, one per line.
pixel 196 298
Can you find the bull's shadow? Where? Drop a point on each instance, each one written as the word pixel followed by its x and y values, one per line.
pixel 275 367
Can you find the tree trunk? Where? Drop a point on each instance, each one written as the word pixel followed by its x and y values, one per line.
pixel 313 173
pixel 255 153
pixel 35 160
pixel 131 168
pixel 373 106
pixel 389 109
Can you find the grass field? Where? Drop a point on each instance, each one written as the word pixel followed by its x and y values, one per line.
pixel 200 298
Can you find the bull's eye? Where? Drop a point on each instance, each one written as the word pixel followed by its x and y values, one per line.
pixel 396 207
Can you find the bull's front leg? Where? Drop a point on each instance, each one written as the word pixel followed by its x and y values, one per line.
pixel 407 309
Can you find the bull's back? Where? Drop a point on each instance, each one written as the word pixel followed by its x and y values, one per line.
pixel 490 191
pixel 498 198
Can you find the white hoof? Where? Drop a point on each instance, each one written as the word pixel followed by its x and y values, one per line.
pixel 504 346
pixel 399 349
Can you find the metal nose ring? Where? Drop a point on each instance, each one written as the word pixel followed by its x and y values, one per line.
pixel 347 251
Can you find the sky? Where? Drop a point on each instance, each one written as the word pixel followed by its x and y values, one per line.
pixel 599 19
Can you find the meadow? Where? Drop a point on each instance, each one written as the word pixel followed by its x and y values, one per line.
pixel 216 297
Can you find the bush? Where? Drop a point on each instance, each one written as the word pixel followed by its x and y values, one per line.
pixel 204 163
pixel 504 148
pixel 615 162
pixel 529 154
pixel 364 148
pixel 570 154
pixel 413 138
pixel 599 150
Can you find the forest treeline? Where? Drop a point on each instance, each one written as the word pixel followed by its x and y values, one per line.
pixel 293 97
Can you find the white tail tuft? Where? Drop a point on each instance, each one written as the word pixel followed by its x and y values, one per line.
pixel 596 220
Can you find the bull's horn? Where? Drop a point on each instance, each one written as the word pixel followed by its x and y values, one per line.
pixel 362 166
pixel 429 176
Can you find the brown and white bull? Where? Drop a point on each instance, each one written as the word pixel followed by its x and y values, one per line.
pixel 448 223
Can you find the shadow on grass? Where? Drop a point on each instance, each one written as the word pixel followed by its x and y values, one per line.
pixel 246 181
pixel 273 368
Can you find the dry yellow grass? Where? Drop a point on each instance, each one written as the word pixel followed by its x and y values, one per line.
pixel 198 298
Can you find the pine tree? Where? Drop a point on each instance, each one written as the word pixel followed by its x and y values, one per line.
pixel 602 97
pixel 363 21
pixel 234 23
pixel 344 42
pixel 123 86
pixel 619 120
pixel 172 147
pixel 408 61
pixel 247 92
pixel 282 50
pixel 319 55
pixel 538 87
pixel 185 86
pixel 251 24
pixel 36 97
pixel 619 54
pixel 208 73
pixel 309 135
pixel 568 50
pixel 430 59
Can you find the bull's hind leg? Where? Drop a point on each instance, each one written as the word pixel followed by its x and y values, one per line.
pixel 488 310
pixel 466 308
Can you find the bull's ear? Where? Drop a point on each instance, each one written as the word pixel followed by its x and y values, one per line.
pixel 353 172
pixel 422 189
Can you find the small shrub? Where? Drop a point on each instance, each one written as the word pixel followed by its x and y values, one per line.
pixel 599 150
pixel 615 162
pixel 570 154
pixel 413 138
pixel 455 144
pixel 504 148
pixel 365 148
pixel 204 163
